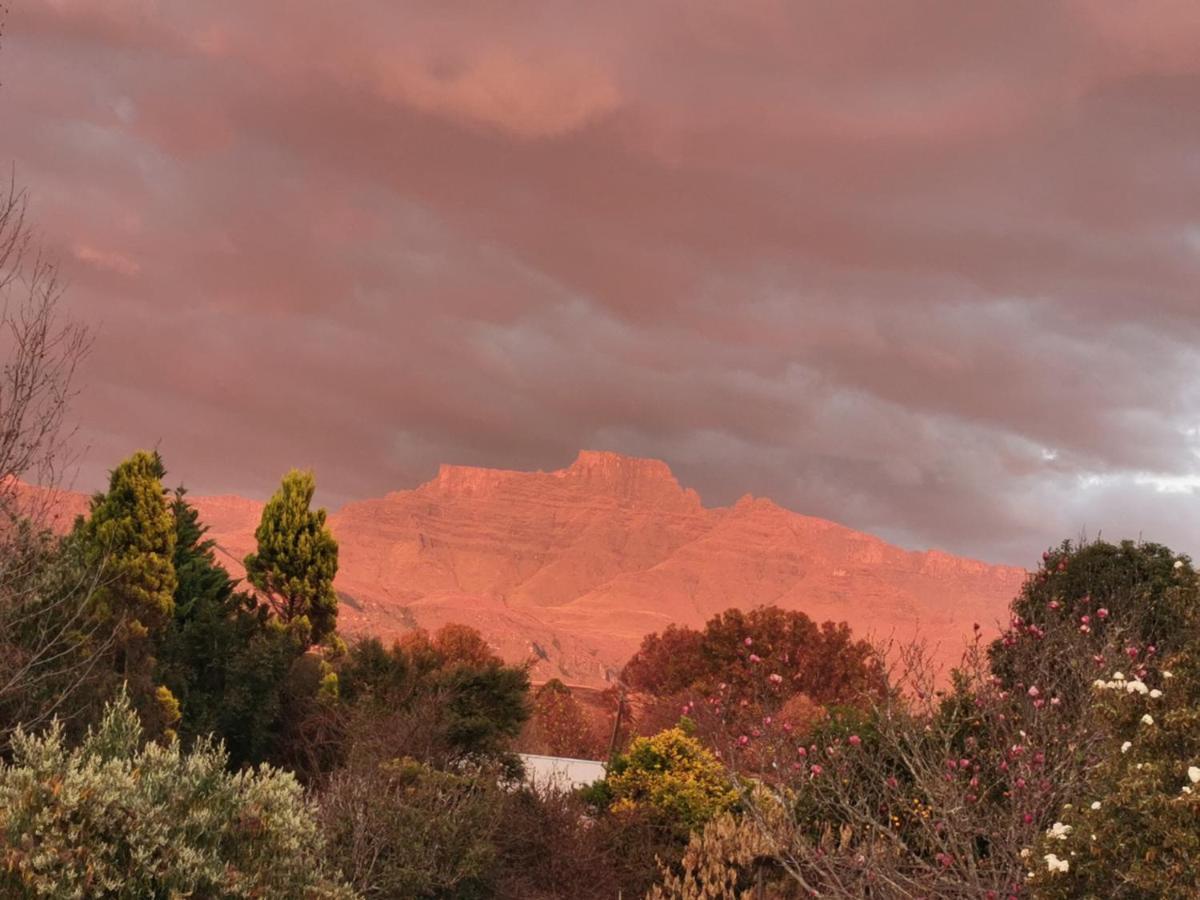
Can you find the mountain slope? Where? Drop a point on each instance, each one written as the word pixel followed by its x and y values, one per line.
pixel 572 567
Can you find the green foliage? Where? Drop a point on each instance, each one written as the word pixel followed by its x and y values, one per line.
pixel 129 540
pixel 674 774
pixel 297 559
pixel 1131 832
pixel 131 534
pixel 116 818
pixel 1086 597
pixel 221 655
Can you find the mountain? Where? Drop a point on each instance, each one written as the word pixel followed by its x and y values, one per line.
pixel 573 567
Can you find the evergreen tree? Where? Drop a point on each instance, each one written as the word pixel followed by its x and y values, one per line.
pixel 296 559
pixel 129 538
pixel 222 656
pixel 131 531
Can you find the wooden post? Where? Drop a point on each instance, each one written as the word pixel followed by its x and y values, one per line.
pixel 612 744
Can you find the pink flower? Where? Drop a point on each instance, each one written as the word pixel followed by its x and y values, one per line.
pixel 1085 628
pixel 1054 604
pixel 816 769
pixel 743 741
pixel 775 678
pixel 801 751
pixel 749 642
pixel 1085 619
pixel 855 740
pixel 1102 613
pixel 755 658
pixel 1033 691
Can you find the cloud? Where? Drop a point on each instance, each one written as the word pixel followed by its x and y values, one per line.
pixel 927 269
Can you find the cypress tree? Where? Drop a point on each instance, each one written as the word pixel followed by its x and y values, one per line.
pixel 129 538
pixel 296 559
pixel 131 533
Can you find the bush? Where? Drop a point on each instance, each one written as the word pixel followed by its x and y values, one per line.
pixel 1130 832
pixel 672 773
pixel 117 818
pixel 402 829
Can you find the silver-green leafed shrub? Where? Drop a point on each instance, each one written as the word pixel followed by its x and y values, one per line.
pixel 115 818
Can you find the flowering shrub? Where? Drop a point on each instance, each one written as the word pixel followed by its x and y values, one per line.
pixel 1118 605
pixel 114 818
pixel 1130 831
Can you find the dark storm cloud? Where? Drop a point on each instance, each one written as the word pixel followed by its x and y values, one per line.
pixel 929 269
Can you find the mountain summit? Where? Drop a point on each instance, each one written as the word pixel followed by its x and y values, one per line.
pixel 572 567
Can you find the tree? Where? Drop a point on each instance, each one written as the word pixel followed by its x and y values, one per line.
pixel 222 656
pixel 43 619
pixel 560 726
pixel 130 532
pixel 129 538
pixel 758 661
pixel 118 818
pixel 1121 604
pixel 297 559
pixel 672 773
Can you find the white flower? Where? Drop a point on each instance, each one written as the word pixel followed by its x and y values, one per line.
pixel 1186 789
pixel 1025 853
pixel 1099 684
pixel 1147 719
pixel 1118 676
pixel 1096 804
pixel 1155 694
pixel 1059 830
pixel 1193 774
pixel 1137 685
pixel 1167 674
pixel 1054 864
pixel 1179 563
pixel 1125 747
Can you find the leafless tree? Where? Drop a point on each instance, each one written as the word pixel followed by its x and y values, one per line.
pixel 44 617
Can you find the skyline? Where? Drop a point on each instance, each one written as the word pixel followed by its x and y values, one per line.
pixel 933 279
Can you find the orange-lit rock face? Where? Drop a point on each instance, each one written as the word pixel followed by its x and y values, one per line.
pixel 573 567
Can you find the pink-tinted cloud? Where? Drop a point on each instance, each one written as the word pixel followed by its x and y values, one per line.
pixel 926 268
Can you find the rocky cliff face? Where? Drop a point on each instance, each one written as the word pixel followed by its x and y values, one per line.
pixel 573 567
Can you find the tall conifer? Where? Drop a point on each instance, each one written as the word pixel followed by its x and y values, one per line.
pixel 297 558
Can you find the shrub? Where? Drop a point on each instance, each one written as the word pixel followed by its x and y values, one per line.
pixel 672 773
pixel 116 818
pixel 1130 831
pixel 402 829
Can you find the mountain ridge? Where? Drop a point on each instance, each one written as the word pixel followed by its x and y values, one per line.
pixel 571 567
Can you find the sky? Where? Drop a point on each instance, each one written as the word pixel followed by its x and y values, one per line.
pixel 929 269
